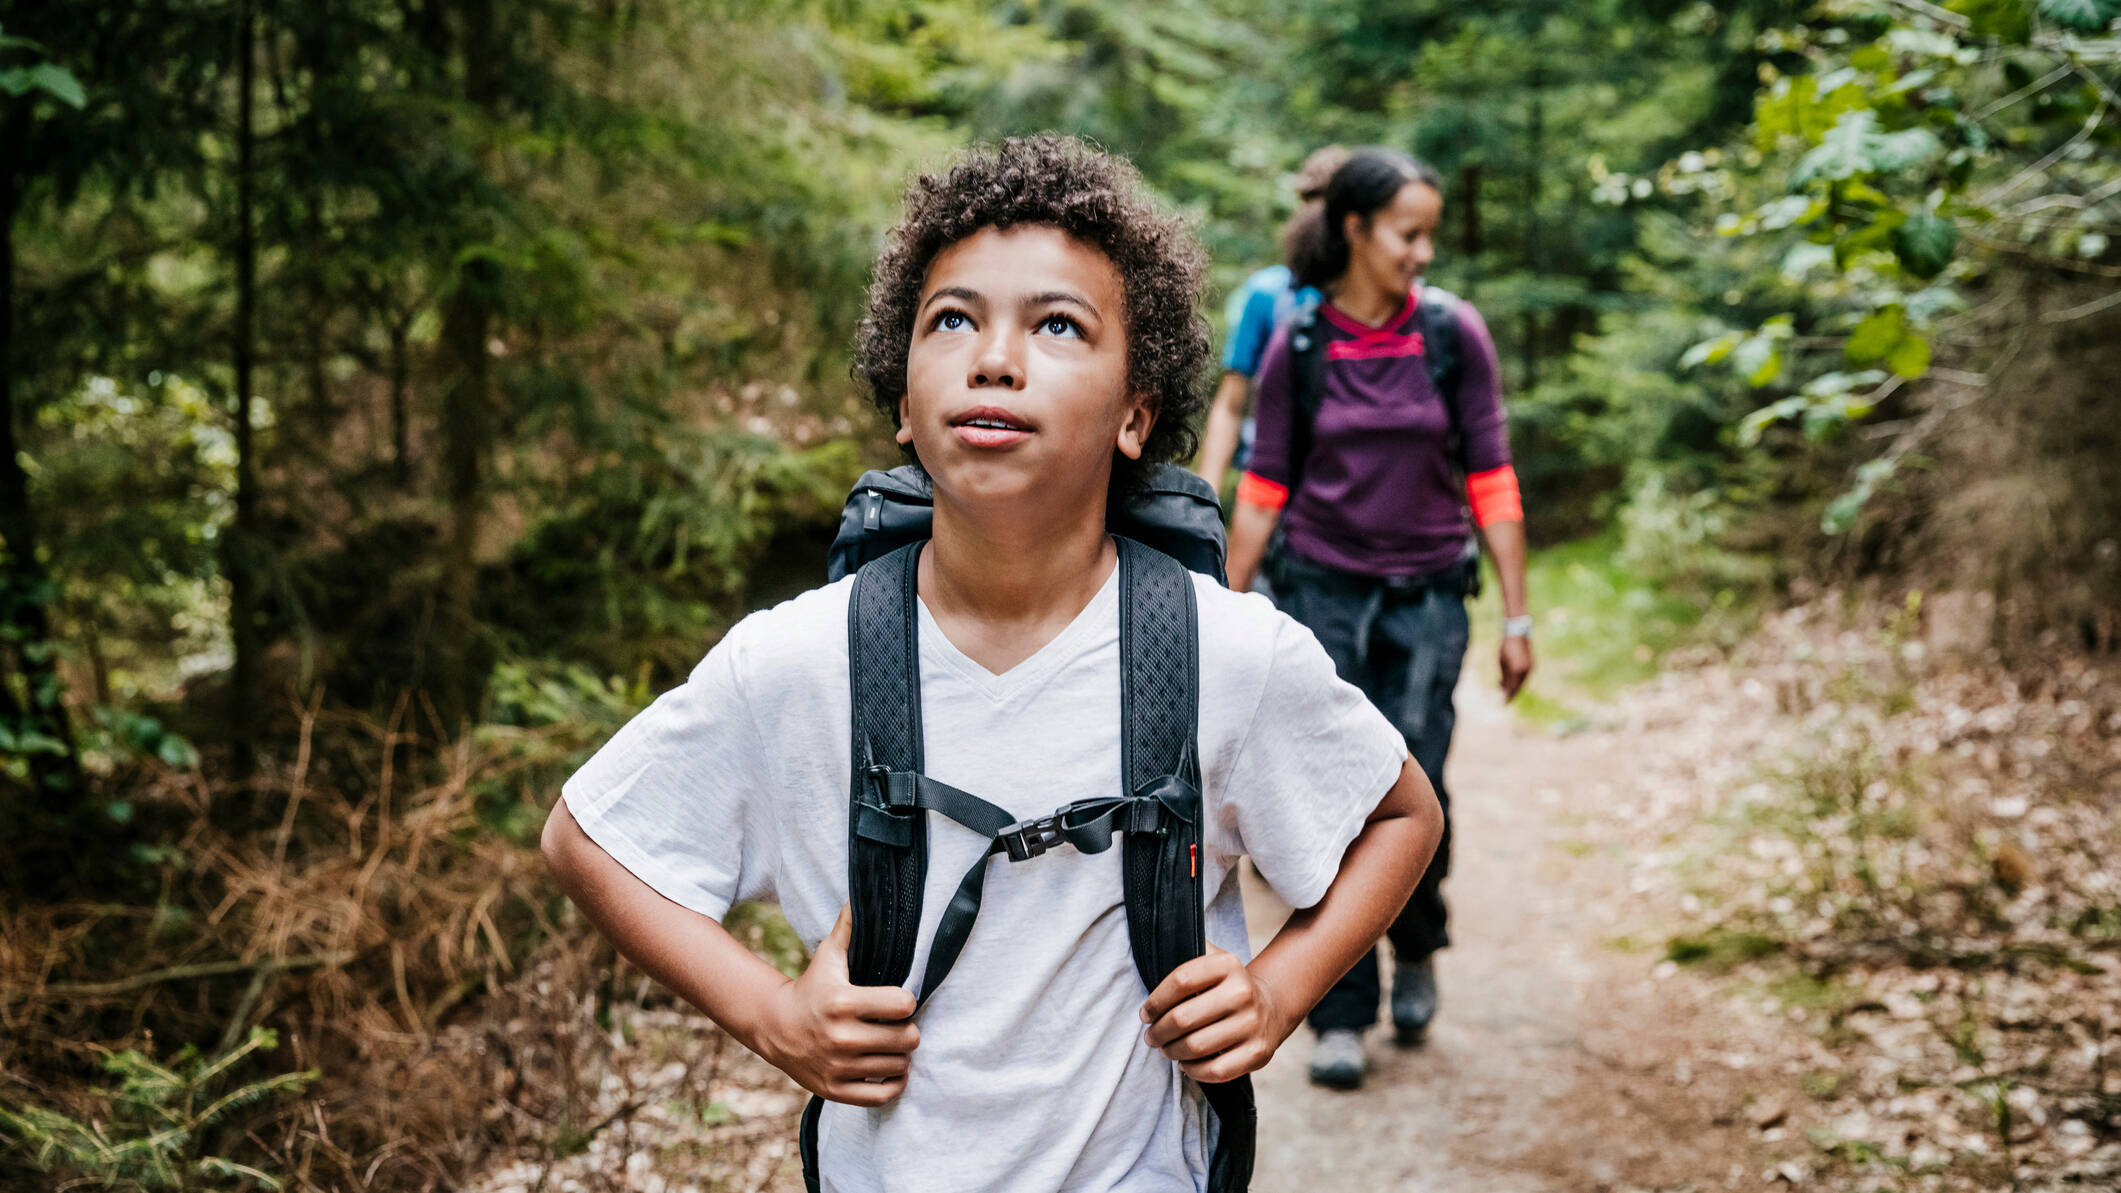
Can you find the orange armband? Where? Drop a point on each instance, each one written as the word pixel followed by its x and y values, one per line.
pixel 1254 489
pixel 1494 497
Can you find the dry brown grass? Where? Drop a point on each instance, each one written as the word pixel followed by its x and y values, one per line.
pixel 362 902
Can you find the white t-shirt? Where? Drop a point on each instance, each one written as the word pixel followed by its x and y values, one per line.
pixel 1031 1072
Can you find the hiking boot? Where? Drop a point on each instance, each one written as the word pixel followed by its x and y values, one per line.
pixel 1413 1001
pixel 1336 1059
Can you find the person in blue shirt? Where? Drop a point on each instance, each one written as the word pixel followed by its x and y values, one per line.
pixel 1266 299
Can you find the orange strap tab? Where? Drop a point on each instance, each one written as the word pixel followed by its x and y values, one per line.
pixel 1254 489
pixel 1494 496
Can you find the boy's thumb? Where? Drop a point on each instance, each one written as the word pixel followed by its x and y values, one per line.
pixel 836 942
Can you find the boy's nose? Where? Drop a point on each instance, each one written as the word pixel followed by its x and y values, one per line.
pixel 995 367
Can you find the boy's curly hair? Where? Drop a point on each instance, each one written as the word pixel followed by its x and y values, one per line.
pixel 1100 200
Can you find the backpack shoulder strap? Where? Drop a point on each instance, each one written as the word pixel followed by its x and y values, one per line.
pixel 1443 344
pixel 887 852
pixel 1159 652
pixel 1307 385
pixel 1159 645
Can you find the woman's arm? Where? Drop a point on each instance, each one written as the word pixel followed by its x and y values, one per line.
pixel 1226 417
pixel 1220 1019
pixel 1505 541
pixel 1251 527
pixel 840 1041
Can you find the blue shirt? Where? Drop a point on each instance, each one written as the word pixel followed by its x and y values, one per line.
pixel 1258 307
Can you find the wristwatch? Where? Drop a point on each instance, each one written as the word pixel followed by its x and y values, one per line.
pixel 1517 627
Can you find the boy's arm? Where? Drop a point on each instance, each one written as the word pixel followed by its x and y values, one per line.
pixel 843 1042
pixel 1220 1019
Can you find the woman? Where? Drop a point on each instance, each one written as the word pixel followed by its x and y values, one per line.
pixel 1363 487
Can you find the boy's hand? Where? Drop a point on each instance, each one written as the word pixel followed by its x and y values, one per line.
pixel 842 1042
pixel 1215 1018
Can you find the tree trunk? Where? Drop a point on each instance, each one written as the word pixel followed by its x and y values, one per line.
pixel 1534 252
pixel 466 326
pixel 32 700
pixel 1470 240
pixel 400 374
pixel 241 548
pixel 467 399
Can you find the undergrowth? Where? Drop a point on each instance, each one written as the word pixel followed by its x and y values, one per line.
pixel 353 974
pixel 1918 868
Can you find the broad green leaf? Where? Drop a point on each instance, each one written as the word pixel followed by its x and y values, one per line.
pixel 1927 304
pixel 1924 242
pixel 1757 361
pixel 1878 335
pixel 1777 214
pixel 1894 152
pixel 1829 385
pixel 1754 424
pixel 1841 513
pixel 1911 356
pixel 1804 257
pixel 1710 351
pixel 1855 146
pixel 2085 16
pixel 1839 155
pixel 2008 20
pixel 177 752
pixel 1908 39
pixel 50 78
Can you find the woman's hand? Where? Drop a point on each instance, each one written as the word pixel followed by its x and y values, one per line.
pixel 1215 1018
pixel 1516 657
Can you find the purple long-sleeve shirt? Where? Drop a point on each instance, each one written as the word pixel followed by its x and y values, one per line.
pixel 1381 493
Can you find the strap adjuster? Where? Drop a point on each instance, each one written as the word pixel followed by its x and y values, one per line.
pixel 886 816
pixel 1026 839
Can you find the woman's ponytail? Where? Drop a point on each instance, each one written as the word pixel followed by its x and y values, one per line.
pixel 1313 252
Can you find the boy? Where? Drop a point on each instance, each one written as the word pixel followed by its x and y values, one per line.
pixel 1032 330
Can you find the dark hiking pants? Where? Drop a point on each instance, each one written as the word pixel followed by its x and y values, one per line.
pixel 1402 642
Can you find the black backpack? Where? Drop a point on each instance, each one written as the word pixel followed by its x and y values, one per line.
pixel 1174 526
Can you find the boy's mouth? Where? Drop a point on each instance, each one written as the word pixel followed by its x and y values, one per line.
pixel 990 426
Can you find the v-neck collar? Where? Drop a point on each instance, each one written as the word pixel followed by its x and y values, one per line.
pixel 1361 330
pixel 1101 612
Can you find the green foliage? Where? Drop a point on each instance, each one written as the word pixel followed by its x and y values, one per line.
pixel 1921 149
pixel 2086 16
pixel 48 78
pixel 152 1130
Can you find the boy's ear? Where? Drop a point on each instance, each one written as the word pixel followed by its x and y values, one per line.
pixel 905 428
pixel 1134 429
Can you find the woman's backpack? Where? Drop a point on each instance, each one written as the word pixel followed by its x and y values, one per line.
pixel 1156 814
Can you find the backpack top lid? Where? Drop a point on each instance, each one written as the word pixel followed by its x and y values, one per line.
pixel 1175 513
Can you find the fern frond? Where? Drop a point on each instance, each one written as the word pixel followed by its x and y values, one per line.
pixel 256 1090
pixel 216 1166
pixel 260 1037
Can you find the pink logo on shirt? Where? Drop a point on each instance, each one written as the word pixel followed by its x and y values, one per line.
pixel 1376 346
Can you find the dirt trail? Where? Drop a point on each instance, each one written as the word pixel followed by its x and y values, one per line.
pixel 1559 1061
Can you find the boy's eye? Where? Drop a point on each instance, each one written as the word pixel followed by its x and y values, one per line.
pixel 1060 325
pixel 952 321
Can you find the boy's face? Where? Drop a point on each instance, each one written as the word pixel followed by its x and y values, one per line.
pixel 1016 376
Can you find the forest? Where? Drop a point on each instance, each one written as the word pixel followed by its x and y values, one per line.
pixel 398 394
